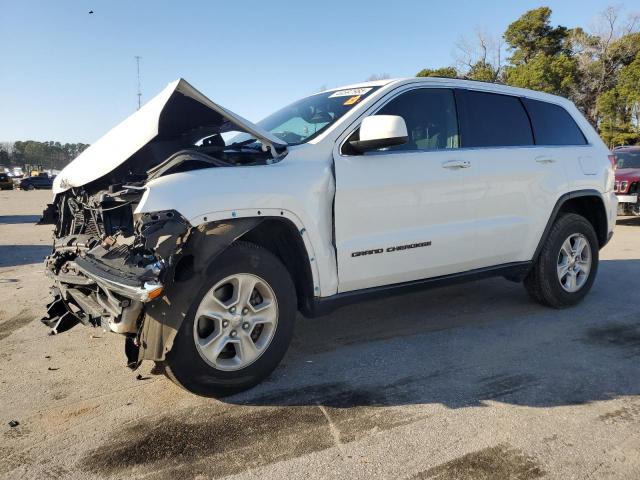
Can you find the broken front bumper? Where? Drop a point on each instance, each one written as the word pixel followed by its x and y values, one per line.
pixel 118 284
pixel 95 295
pixel 106 282
pixel 148 305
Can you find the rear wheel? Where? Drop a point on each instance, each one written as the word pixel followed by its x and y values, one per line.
pixel 239 325
pixel 567 265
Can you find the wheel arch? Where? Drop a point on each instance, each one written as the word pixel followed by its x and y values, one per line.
pixel 586 203
pixel 164 316
pixel 282 238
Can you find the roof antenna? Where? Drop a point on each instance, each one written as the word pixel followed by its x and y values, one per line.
pixel 137 57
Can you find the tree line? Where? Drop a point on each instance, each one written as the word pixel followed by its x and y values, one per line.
pixel 49 155
pixel 597 68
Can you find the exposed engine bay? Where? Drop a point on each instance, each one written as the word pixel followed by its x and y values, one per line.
pixel 96 234
pixel 108 262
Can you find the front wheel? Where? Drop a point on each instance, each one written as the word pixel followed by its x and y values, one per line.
pixel 239 325
pixel 567 265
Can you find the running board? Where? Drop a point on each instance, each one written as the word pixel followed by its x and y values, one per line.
pixel 317 306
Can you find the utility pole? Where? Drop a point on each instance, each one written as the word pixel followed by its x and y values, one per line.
pixel 137 57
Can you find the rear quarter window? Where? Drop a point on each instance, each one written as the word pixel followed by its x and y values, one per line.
pixel 552 124
pixel 492 120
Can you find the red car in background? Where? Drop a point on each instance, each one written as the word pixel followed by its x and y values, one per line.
pixel 628 180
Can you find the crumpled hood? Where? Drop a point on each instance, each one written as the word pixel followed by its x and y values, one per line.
pixel 179 110
pixel 628 174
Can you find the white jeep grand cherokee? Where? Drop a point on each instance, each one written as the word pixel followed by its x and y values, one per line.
pixel 200 245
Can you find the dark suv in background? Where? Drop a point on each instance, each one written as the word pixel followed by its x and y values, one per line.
pixel 42 181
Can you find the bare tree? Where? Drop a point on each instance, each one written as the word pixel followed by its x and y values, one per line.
pixel 482 50
pixel 608 44
pixel 7 147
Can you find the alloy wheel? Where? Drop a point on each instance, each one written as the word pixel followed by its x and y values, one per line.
pixel 574 262
pixel 235 321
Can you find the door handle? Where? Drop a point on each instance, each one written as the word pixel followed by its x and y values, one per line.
pixel 456 164
pixel 545 160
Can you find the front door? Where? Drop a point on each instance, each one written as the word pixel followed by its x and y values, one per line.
pixel 406 212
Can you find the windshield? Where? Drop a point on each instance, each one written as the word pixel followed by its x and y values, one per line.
pixel 306 118
pixel 628 159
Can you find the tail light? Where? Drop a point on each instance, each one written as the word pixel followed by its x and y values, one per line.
pixel 614 161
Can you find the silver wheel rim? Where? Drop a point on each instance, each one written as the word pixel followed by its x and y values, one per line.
pixel 235 322
pixel 574 262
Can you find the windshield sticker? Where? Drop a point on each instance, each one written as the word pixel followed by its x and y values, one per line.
pixel 352 100
pixel 350 92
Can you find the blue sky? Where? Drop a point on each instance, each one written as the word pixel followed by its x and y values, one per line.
pixel 69 76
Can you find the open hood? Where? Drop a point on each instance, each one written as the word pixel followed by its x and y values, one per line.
pixel 178 111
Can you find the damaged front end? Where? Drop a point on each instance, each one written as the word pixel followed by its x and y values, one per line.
pixel 107 263
pixel 134 273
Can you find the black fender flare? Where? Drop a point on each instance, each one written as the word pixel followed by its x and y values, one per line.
pixel 188 269
pixel 556 211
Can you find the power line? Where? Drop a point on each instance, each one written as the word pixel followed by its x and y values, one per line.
pixel 137 57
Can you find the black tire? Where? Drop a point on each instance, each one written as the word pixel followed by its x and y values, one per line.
pixel 184 364
pixel 542 282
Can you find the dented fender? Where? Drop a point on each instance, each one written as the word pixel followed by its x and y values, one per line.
pixel 187 271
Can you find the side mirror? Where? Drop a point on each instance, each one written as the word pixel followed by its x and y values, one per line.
pixel 380 131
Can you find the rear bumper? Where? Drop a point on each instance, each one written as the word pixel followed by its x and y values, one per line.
pixel 628 198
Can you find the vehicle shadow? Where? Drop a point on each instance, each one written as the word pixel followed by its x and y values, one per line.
pixel 14 255
pixel 630 221
pixel 14 219
pixel 462 346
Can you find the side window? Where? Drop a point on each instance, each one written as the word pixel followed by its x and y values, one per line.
pixel 430 115
pixel 492 120
pixel 552 124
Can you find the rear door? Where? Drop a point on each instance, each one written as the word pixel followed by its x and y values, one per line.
pixel 517 183
pixel 558 137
